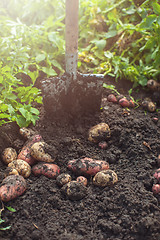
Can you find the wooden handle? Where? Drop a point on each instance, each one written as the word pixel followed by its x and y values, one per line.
pixel 71 36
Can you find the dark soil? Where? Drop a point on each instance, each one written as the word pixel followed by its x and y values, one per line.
pixel 127 210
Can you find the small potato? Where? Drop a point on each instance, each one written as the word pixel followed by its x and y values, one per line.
pixel 157 174
pixel 105 178
pixel 25 153
pixel 27 133
pixel 63 179
pixel 49 170
pixel 156 189
pixel 21 166
pixel 148 105
pixel 82 179
pixel 112 98
pixel 153 85
pixel 99 133
pixel 38 151
pixel 74 190
pixel 87 166
pixel 9 154
pixel 124 102
pixel 12 187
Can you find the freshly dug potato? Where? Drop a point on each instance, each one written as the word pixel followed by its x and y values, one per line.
pixel 153 85
pixel 26 132
pixel 10 171
pixel 82 179
pixel 74 190
pixel 22 167
pixel 156 189
pixel 131 103
pixel 39 152
pixel 99 133
pixel 87 166
pixel 124 102
pixel 25 153
pixel 12 187
pixel 103 145
pixel 49 170
pixel 105 178
pixel 63 179
pixel 8 155
pixel 157 174
pixel 112 98
pixel 148 105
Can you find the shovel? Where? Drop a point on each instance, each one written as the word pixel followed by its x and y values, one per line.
pixel 73 92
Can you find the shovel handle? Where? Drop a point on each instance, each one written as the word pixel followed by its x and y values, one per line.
pixel 71 37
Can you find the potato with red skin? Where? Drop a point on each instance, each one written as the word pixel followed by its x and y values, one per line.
pixel 82 179
pixel 12 187
pixel 156 189
pixel 124 102
pixel 8 155
pixel 49 170
pixel 112 98
pixel 157 174
pixel 87 166
pixel 25 153
pixel 131 103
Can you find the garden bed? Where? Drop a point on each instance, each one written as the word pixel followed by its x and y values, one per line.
pixel 127 210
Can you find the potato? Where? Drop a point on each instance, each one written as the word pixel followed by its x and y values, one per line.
pixel 9 154
pixel 99 133
pixel 49 170
pixel 21 166
pixel 26 132
pixel 157 174
pixel 112 98
pixel 156 189
pixel 105 178
pixel 82 179
pixel 38 151
pixel 87 166
pixel 10 171
pixel 124 102
pixel 12 187
pixel 25 153
pixel 63 179
pixel 74 190
pixel 153 85
pixel 148 105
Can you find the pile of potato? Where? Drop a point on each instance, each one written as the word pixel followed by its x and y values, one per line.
pixel 35 157
pixel 19 167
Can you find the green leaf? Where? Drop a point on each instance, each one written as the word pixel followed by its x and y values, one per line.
pixel 110 34
pixel 49 71
pixel 156 8
pixel 5 228
pixel 10 209
pixel 40 57
pixel 34 111
pixel 100 44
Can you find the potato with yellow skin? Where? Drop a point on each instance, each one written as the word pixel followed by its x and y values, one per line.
pixel 9 154
pixel 10 171
pixel 22 167
pixel 99 133
pixel 39 152
pixel 105 178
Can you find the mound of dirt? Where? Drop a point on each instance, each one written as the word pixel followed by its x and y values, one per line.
pixel 128 210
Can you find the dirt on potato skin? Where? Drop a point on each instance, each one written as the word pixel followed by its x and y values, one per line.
pixel 128 210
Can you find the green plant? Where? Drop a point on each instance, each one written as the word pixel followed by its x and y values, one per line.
pixel 3 221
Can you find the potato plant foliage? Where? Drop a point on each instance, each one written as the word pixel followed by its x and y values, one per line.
pixel 118 38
